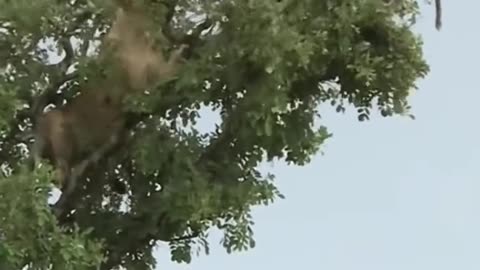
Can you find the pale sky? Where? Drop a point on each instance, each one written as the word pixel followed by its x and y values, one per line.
pixel 390 193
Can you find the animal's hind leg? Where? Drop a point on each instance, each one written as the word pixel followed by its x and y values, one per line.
pixel 63 175
pixel 36 150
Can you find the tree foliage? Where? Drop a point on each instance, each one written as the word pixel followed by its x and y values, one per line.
pixel 265 66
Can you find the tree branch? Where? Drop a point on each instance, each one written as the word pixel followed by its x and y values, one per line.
pixel 438 14
pixel 61 68
pixel 69 53
pixel 194 234
pixel 79 170
pixel 194 40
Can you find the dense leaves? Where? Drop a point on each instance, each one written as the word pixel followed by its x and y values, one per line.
pixel 29 232
pixel 265 66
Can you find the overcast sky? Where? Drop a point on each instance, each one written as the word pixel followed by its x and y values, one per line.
pixel 390 193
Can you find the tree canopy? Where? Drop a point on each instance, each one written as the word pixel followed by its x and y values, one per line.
pixel 264 66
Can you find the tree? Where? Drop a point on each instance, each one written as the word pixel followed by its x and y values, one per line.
pixel 265 66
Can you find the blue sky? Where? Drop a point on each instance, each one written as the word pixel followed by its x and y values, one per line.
pixel 390 193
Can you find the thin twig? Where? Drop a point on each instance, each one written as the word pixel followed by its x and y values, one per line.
pixel 438 14
pixel 186 237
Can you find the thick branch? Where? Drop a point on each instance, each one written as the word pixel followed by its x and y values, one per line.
pixel 194 40
pixel 79 170
pixel 69 53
